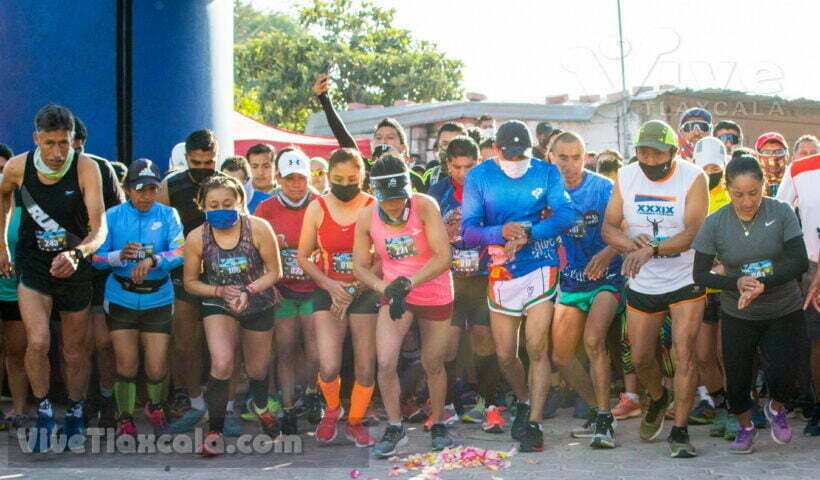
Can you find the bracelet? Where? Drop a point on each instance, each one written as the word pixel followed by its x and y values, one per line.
pixel 250 289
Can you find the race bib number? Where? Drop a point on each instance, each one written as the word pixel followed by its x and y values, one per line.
pixel 290 266
pixel 52 240
pixel 759 269
pixel 343 263
pixel 465 260
pixel 228 267
pixel 400 247
pixel 145 250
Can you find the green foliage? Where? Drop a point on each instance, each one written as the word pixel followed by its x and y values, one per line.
pixel 277 58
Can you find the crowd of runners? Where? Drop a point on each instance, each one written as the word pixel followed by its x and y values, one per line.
pixel 508 277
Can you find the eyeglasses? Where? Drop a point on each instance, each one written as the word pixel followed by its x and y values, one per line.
pixel 700 125
pixel 318 173
pixel 776 152
pixel 730 139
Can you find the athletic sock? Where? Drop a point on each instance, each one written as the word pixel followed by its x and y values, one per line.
pixel 44 406
pixel 330 390
pixel 216 398
pixel 198 403
pixel 359 401
pixel 259 393
pixel 489 376
pixel 125 394
pixel 632 396
pixel 155 389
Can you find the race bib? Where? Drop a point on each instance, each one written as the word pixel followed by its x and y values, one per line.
pixel 228 267
pixel 290 266
pixel 146 250
pixel 52 240
pixel 343 263
pixel 400 247
pixel 759 269
pixel 465 260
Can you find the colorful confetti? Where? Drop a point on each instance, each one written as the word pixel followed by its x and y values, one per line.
pixel 431 464
pixel 355 474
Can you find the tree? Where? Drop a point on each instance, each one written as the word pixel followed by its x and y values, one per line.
pixel 373 61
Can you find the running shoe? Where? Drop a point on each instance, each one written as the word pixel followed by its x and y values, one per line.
pixel 268 422
pixel 652 422
pixel 179 405
pixel 73 425
pixel 19 421
pixel 441 437
pixel 812 427
pixel 449 417
pixel 290 422
pixel 156 417
pixel 521 421
pixel 359 435
pixel 626 408
pixel 393 438
pixel 40 440
pixel 312 407
pixel 732 426
pixel 679 444
pixel 126 427
pixel 718 428
pixel 587 430
pixel 108 412
pixel 233 425
pixel 604 436
pixel 702 414
pixel 274 406
pixel 477 413
pixel 187 422
pixel 212 445
pixel 533 438
pixel 744 441
pixel 493 421
pixel 781 433
pixel 555 397
pixel 326 430
pixel 411 410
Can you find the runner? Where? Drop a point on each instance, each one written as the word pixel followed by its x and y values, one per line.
pixel 729 133
pixel 329 225
pixel 470 282
pixel 590 290
pixel 761 248
pixel 711 155
pixel 800 186
pixel 285 212
pixel 663 201
pixel 179 190
pixel 446 132
pixel 318 175
pixel 408 235
pixel 773 153
pixel 693 125
pixel 238 168
pixel 232 262
pixel 503 202
pixel 143 245
pixel 63 221
pixel 806 146
pixel 260 158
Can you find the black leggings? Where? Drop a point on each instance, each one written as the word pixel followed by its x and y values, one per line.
pixel 778 342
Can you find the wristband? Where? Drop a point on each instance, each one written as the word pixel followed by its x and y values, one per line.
pixel 78 254
pixel 249 289
pixel 154 261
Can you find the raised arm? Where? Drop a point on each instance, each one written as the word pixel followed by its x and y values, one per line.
pixel 337 126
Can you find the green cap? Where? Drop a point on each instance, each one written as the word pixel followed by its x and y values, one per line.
pixel 657 134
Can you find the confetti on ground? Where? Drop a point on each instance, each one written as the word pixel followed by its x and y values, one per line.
pixel 355 474
pixel 277 467
pixel 431 464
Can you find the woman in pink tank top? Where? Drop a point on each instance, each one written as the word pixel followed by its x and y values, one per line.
pixel 408 234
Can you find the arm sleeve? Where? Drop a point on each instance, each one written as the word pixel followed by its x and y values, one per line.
pixel 796 264
pixel 338 127
pixel 473 231
pixel 171 259
pixel 564 212
pixel 703 275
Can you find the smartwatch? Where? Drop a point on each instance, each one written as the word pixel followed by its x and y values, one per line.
pixel 654 244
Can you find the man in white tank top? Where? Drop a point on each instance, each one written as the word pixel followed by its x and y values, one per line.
pixel 663 201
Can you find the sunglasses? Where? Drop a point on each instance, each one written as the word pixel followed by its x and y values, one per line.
pixel 700 125
pixel 730 139
pixel 776 152
pixel 318 173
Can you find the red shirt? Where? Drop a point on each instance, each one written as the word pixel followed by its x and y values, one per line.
pixel 336 243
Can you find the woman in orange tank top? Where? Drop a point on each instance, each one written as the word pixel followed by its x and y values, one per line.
pixel 339 300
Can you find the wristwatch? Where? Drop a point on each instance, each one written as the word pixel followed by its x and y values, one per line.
pixel 78 254
pixel 654 244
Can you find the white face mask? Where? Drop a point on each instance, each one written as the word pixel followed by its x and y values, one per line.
pixel 488 132
pixel 514 169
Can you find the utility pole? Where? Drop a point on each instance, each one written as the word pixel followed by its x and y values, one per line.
pixel 623 117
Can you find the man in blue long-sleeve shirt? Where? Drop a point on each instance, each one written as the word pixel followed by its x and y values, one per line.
pixel 517 206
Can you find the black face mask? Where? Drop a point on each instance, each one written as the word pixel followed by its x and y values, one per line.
pixel 201 175
pixel 714 179
pixel 656 172
pixel 345 193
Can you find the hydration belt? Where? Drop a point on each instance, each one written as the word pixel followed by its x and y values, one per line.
pixel 147 286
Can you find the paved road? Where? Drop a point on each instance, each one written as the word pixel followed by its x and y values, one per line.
pixel 562 458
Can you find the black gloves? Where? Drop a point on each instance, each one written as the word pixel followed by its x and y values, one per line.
pixel 395 293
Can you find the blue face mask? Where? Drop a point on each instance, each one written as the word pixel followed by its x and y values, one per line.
pixel 222 219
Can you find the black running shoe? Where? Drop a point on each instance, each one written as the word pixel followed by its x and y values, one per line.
pixel 290 422
pixel 533 438
pixel 521 421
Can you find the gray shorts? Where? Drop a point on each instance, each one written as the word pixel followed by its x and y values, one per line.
pixel 812 315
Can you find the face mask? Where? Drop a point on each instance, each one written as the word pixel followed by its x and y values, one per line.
pixel 488 132
pixel 200 175
pixel 222 219
pixel 345 193
pixel 47 172
pixel 714 179
pixel 656 172
pixel 395 221
pixel 297 205
pixel 515 169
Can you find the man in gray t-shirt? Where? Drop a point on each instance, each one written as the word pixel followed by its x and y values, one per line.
pixel 753 248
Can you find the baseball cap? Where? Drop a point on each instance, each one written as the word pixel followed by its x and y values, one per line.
pixel 770 137
pixel 143 172
pixel 293 161
pixel 693 113
pixel 710 151
pixel 657 134
pixel 391 187
pixel 544 128
pixel 513 138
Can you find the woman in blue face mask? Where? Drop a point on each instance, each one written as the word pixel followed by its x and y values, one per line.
pixel 232 261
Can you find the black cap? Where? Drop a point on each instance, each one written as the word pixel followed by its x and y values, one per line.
pixel 392 187
pixel 513 138
pixel 143 172
pixel 544 128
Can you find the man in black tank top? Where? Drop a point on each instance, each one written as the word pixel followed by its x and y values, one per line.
pixel 113 195
pixel 62 223
pixel 179 190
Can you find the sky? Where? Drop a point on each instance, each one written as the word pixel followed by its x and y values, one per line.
pixel 526 50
